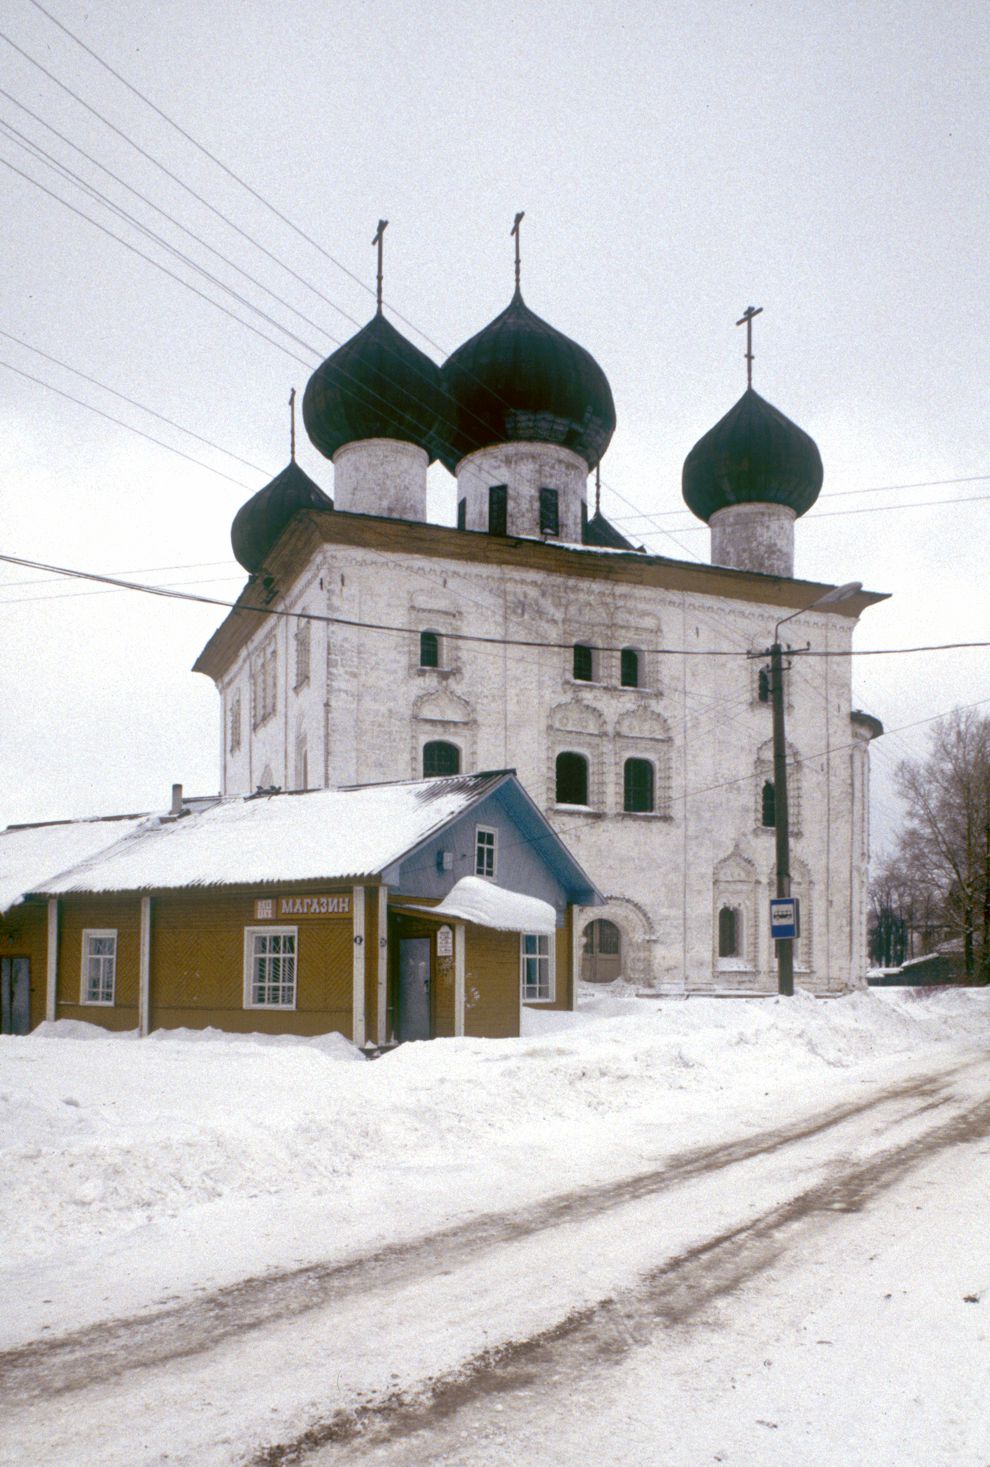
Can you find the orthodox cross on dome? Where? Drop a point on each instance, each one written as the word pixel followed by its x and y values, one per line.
pixel 747 316
pixel 514 231
pixel 379 240
pixel 292 424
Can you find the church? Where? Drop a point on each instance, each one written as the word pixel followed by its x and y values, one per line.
pixel 628 691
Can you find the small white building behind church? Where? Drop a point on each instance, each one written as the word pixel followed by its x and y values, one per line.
pixel 622 687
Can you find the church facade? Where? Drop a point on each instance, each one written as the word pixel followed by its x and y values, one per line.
pixel 629 691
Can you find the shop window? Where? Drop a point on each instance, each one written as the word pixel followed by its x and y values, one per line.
pixel 536 959
pixel 99 965
pixel 270 967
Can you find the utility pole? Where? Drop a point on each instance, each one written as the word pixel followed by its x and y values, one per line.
pixel 781 818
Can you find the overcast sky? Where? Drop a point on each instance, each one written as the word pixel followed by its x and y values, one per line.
pixel 676 162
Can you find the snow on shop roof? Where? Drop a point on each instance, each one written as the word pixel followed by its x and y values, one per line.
pixel 32 854
pixel 318 835
pixel 488 905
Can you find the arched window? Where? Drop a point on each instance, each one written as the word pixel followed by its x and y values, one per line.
pixel 629 667
pixel 768 804
pixel 728 932
pixel 440 757
pixel 763 685
pixel 584 663
pixel 638 787
pixel 429 649
pixel 572 779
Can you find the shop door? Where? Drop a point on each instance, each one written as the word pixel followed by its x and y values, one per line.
pixel 414 988
pixel 15 995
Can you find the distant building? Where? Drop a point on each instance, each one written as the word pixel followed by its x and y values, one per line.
pixel 534 635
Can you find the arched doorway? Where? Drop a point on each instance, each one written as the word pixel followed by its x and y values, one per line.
pixel 601 956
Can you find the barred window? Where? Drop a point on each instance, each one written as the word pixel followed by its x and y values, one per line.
pixel 303 635
pixel 264 683
pixel 270 964
pixel 99 965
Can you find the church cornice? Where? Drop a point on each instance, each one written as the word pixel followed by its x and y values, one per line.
pixel 311 531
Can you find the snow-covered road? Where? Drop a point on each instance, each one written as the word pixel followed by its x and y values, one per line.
pixel 806 1281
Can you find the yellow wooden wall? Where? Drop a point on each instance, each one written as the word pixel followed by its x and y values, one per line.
pixel 124 915
pixel 491 983
pixel 197 966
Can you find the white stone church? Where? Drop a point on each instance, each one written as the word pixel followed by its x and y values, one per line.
pixel 533 636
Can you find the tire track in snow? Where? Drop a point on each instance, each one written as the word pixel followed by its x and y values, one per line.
pixel 602 1334
pixel 86 1357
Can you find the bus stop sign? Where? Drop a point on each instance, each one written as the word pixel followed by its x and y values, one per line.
pixel 785 917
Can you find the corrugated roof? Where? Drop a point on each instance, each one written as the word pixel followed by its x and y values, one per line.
pixel 319 835
pixel 32 854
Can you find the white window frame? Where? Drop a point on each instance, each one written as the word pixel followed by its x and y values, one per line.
pixel 485 848
pixel 251 934
pixel 91 934
pixel 542 953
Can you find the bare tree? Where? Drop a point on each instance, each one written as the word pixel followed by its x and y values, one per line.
pixel 943 853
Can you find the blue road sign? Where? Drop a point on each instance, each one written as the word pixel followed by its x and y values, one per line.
pixel 785 917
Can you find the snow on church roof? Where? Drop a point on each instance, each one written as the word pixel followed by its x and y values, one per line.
pixel 30 854
pixel 317 835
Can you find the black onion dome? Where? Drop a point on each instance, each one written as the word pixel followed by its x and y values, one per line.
pixel 377 385
pixel 521 380
pixel 754 455
pixel 259 522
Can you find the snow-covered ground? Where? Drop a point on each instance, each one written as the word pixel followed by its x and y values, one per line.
pixel 147 1179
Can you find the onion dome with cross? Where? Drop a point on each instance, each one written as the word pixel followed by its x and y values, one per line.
pixel 372 408
pixel 750 477
pixel 528 413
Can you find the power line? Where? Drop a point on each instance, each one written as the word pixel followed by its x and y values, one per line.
pixel 151 261
pixel 135 91
pixel 120 424
pixel 132 401
pixel 72 572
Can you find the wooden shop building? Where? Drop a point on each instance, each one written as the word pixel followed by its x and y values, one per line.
pixel 388 912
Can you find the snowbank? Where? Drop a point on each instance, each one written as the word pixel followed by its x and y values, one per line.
pixel 252 1152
